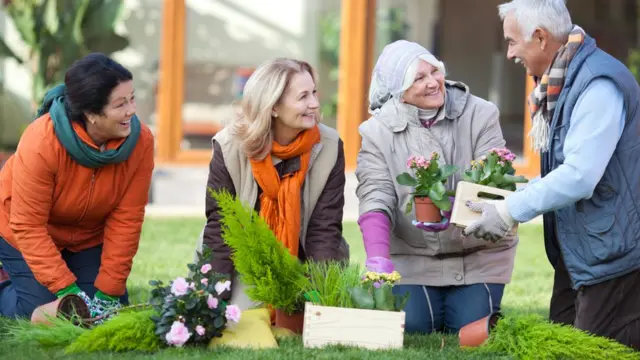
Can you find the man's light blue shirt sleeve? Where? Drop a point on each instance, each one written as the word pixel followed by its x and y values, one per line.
pixel 597 122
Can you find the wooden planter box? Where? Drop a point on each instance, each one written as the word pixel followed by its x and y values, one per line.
pixel 370 329
pixel 461 215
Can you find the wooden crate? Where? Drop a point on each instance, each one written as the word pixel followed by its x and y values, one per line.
pixel 461 215
pixel 371 329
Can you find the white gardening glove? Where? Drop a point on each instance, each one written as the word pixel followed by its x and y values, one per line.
pixel 495 222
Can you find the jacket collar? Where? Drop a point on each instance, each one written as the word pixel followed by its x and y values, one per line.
pixel 456 97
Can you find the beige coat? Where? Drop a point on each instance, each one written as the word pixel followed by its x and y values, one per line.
pixel 467 129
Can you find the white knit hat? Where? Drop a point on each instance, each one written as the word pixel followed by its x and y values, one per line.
pixel 388 74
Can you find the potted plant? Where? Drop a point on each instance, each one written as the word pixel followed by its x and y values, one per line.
pixel 430 195
pixel 346 306
pixel 490 178
pixel 272 276
pixel 494 170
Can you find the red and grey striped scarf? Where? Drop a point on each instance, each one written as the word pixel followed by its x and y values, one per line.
pixel 542 102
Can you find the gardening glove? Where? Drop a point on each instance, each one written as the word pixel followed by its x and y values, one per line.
pixel 103 306
pixel 379 264
pixel 439 226
pixel 73 289
pixel 495 222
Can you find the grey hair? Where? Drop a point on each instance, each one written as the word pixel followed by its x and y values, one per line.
pixel 551 15
pixel 412 69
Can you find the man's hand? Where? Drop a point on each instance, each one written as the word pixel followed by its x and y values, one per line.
pixel 495 222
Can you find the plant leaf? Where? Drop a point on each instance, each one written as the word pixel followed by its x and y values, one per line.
pixel 362 298
pixel 409 207
pixel 437 191
pixel 515 179
pixel 5 51
pixel 443 204
pixel 406 179
pixel 384 298
pixel 448 170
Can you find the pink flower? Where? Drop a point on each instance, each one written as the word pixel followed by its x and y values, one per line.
pixel 232 313
pixel 178 335
pixel 212 302
pixel 204 281
pixel 411 162
pixel 179 286
pixel 205 268
pixel 222 286
pixel 200 330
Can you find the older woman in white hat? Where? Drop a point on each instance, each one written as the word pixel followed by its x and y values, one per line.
pixel 452 279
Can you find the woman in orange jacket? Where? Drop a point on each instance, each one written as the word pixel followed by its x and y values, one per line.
pixel 72 197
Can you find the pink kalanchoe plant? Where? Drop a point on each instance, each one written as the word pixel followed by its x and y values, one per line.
pixel 495 170
pixel 430 178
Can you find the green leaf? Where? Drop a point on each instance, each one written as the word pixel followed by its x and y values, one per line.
pixel 475 175
pixel 5 51
pixel 362 298
pixel 406 179
pixel 448 170
pixel 107 43
pixel 436 193
pixel 101 17
pixel 384 299
pixel 401 301
pixel 409 207
pixel 218 322
pixel 497 178
pixel 515 179
pixel 443 204
pixel 51 21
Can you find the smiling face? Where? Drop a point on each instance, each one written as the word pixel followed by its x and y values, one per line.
pixel 427 91
pixel 535 55
pixel 298 107
pixel 115 120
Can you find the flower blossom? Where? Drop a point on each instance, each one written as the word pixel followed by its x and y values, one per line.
pixel 179 286
pixel 200 330
pixel 205 268
pixel 178 335
pixel 222 286
pixel 232 313
pixel 204 281
pixel 212 302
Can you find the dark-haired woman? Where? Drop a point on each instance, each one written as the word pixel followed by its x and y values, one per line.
pixel 72 198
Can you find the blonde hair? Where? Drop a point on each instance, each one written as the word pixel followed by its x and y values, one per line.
pixel 261 93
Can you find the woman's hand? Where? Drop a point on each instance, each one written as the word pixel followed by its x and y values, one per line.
pixel 439 226
pixel 104 305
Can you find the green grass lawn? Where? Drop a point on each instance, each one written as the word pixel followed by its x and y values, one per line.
pixel 167 246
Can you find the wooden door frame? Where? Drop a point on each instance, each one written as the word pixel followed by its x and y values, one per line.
pixel 356 64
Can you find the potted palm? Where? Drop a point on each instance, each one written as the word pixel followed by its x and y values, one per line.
pixel 430 195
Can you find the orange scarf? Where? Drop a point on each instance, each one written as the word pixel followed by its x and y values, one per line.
pixel 280 198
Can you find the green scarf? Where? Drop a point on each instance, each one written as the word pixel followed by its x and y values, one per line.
pixel 79 150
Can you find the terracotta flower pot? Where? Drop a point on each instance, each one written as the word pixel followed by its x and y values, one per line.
pixel 67 305
pixel 477 332
pixel 293 322
pixel 426 210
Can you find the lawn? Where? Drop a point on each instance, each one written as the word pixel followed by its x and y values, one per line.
pixel 168 244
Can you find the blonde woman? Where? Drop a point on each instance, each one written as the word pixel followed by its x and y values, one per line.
pixel 277 151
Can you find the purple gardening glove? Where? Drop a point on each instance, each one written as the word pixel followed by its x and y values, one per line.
pixel 379 264
pixel 439 226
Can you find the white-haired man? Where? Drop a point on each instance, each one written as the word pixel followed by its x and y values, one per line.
pixel 586 125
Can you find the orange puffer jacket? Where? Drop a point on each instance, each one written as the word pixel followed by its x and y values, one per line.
pixel 49 202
